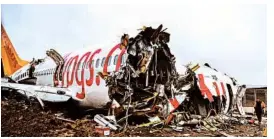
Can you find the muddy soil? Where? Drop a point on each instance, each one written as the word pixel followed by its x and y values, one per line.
pixel 19 118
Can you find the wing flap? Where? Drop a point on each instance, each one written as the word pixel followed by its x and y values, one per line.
pixel 45 93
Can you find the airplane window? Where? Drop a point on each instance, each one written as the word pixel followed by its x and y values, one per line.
pixel 109 60
pixel 103 61
pixel 97 63
pixel 115 60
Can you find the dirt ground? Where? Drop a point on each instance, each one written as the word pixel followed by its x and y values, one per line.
pixel 20 119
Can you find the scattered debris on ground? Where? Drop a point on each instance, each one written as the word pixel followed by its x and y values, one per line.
pixel 21 119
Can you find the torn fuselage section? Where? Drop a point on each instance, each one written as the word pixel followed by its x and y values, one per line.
pixel 149 84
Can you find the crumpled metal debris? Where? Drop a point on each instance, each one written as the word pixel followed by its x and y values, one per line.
pixel 100 119
pixel 149 85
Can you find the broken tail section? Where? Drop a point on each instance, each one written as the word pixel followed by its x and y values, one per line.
pixel 10 60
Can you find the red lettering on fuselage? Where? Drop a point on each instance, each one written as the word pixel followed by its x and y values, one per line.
pixel 119 60
pixel 74 61
pixel 81 82
pixel 105 69
pixel 89 81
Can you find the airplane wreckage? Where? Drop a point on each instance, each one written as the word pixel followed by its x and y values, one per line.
pixel 150 84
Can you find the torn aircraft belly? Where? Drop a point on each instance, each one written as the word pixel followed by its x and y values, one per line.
pixel 150 84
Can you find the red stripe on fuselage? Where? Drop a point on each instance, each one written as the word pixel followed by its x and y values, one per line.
pixel 204 89
pixel 216 88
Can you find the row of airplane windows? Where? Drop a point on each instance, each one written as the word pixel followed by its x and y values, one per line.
pixel 100 62
pixel 82 64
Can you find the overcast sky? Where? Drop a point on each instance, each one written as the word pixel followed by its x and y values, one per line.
pixel 231 38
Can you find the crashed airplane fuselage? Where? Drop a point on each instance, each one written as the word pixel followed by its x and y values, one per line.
pixel 137 76
pixel 151 83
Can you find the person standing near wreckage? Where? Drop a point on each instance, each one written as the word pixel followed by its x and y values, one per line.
pixel 259 106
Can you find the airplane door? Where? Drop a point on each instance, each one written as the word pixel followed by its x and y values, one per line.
pixel 58 59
